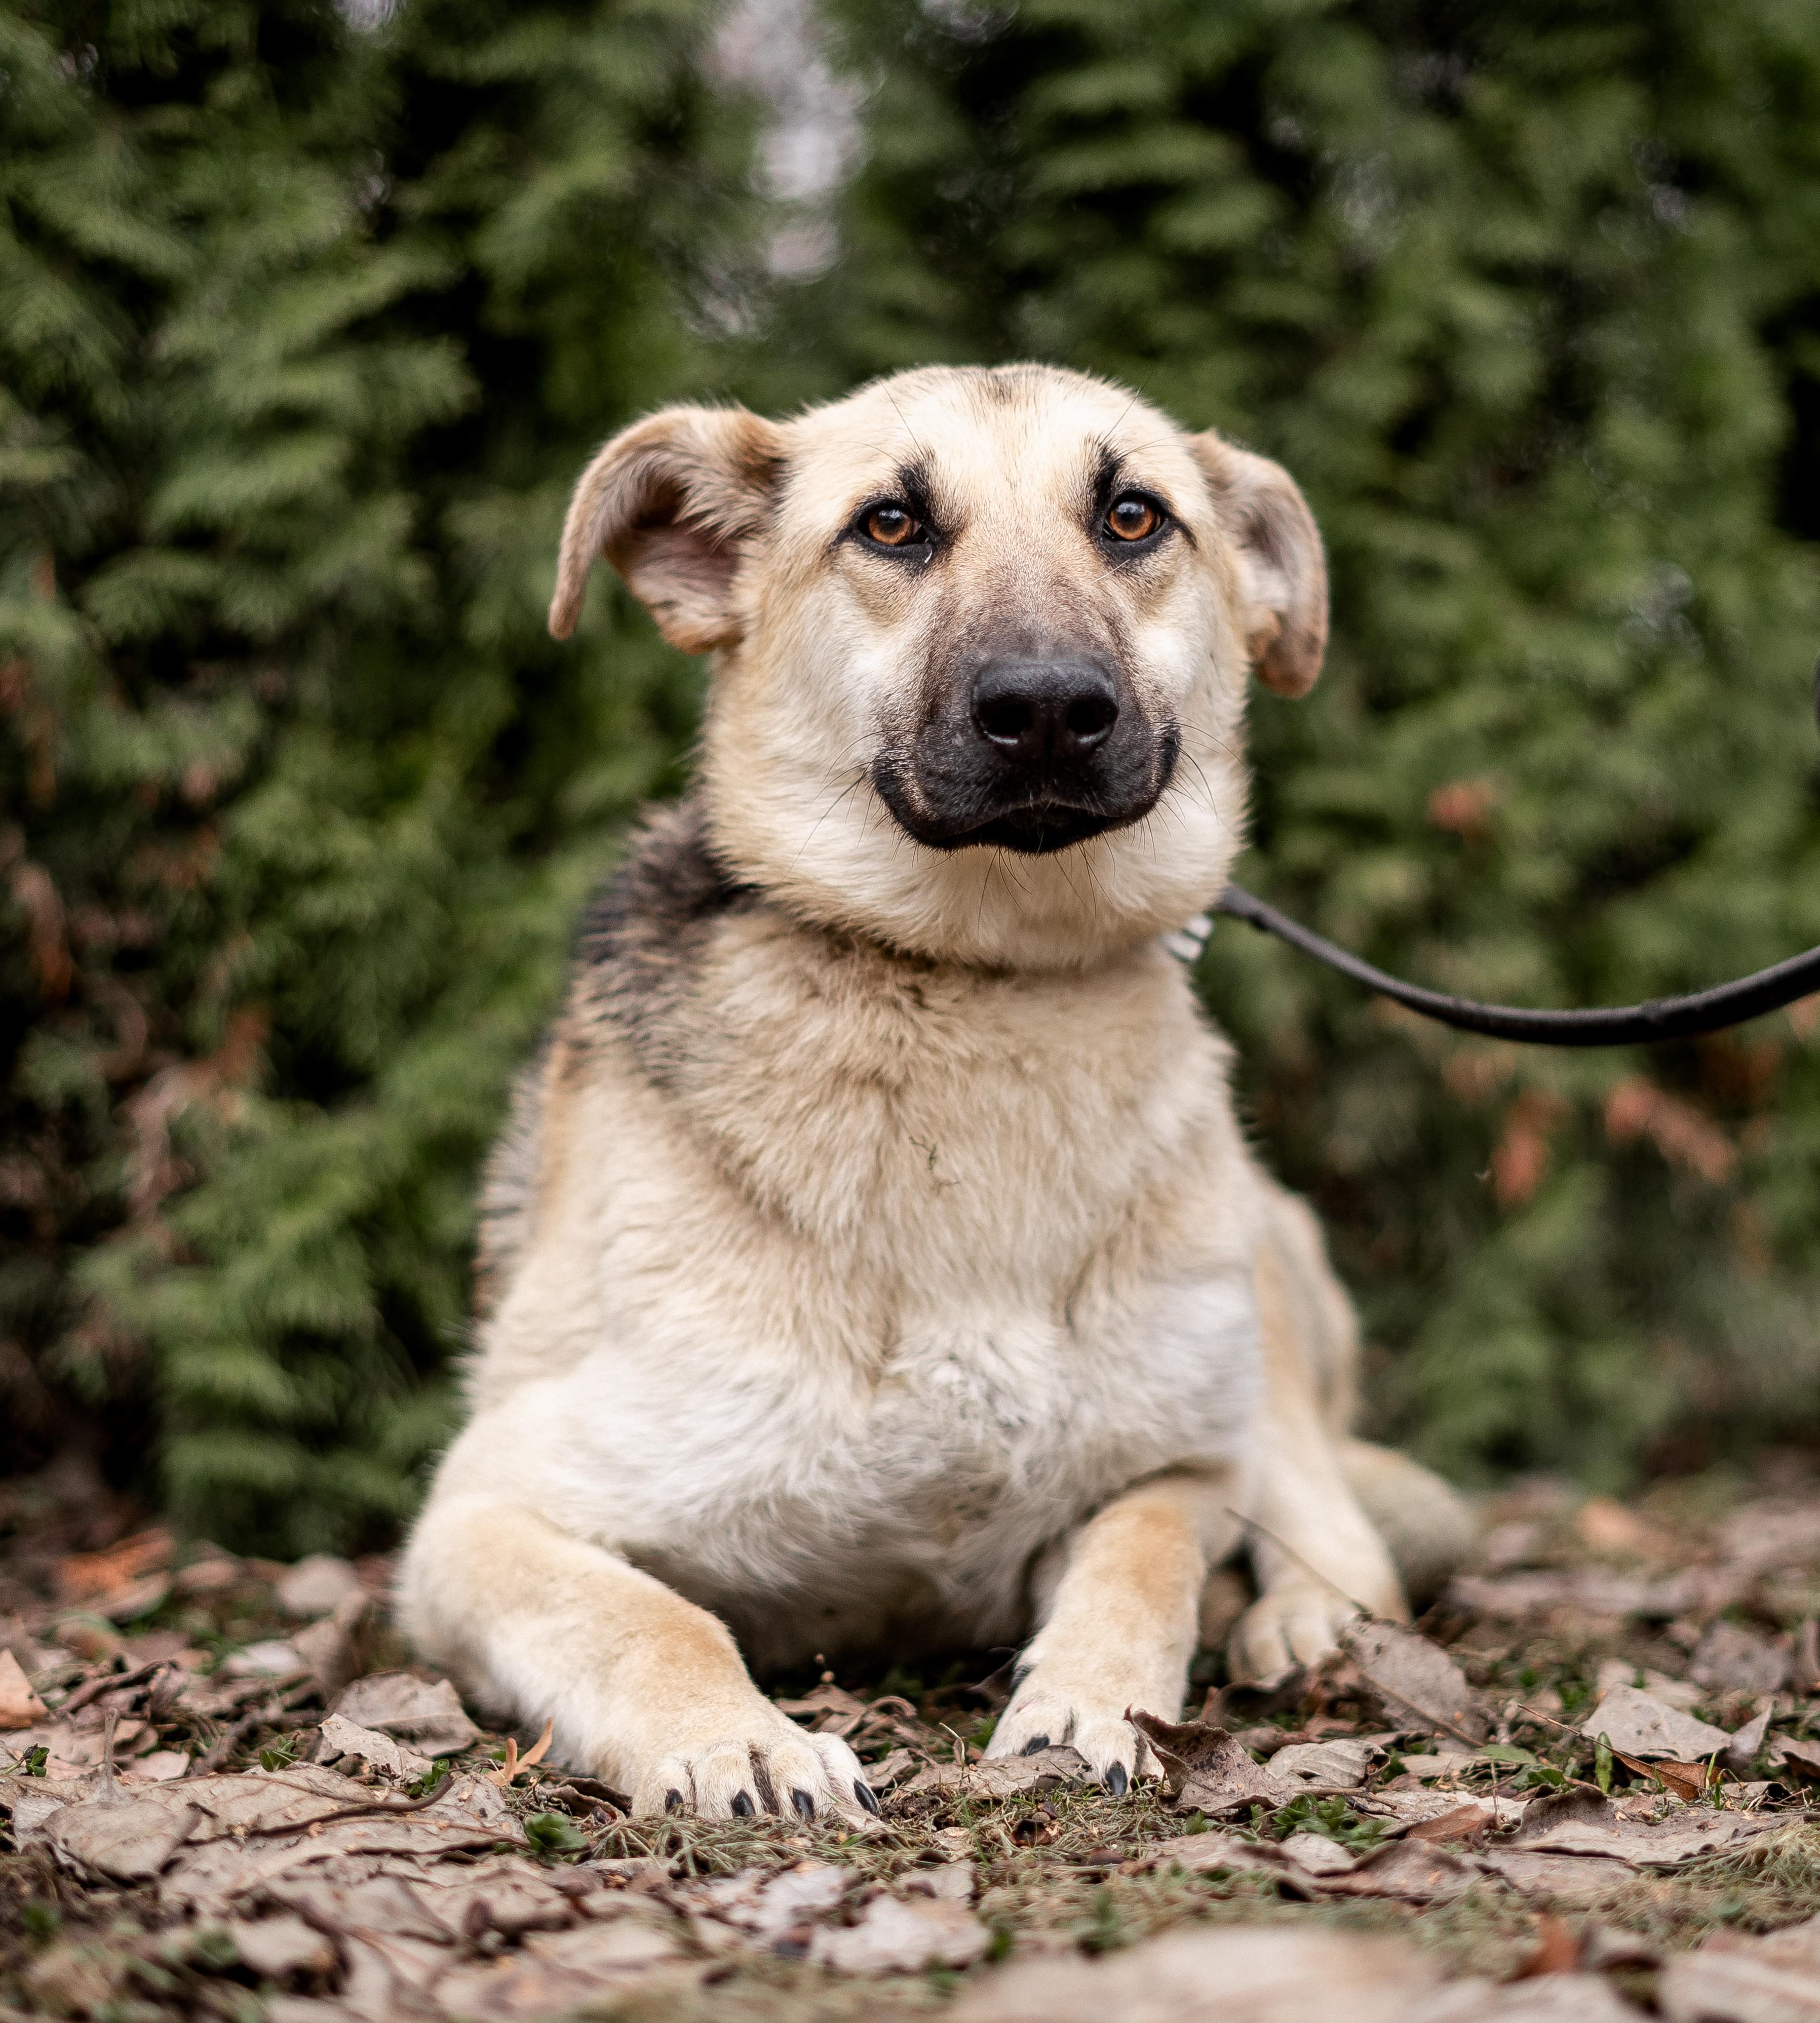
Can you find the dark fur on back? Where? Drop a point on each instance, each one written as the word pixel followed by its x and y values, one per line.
pixel 644 934
pixel 640 941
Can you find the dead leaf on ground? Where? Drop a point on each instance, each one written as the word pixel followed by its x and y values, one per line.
pixel 1749 1742
pixel 316 1586
pixel 1220 1975
pixel 1664 1844
pixel 1408 1872
pixel 564 1973
pixel 1553 1998
pixel 1317 1855
pixel 1801 1757
pixel 1639 1724
pixel 1203 1852
pixel 1730 1659
pixel 281 1948
pixel 87 1577
pixel 1461 1823
pixel 1736 1978
pixel 427 1714
pixel 1540 1872
pixel 122 1843
pixel 339 1647
pixel 894 1937
pixel 1205 1769
pixel 341 1737
pixel 1420 1685
pixel 1004 1776
pixel 19 1707
pixel 1322 1767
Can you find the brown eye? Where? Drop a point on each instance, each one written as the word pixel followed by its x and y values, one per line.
pixel 1132 518
pixel 892 527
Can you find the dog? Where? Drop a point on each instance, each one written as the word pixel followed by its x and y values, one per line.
pixel 872 1262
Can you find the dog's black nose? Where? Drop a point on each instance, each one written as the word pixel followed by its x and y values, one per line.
pixel 1041 710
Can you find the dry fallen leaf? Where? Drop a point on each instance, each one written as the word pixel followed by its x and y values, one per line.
pixel 121 1843
pixel 1318 1855
pixel 1322 1768
pixel 19 1707
pixel 1639 1725
pixel 1466 1823
pixel 316 1586
pixel 1799 1756
pixel 281 1948
pixel 565 1973
pixel 1408 1872
pixel 1734 1978
pixel 1730 1659
pixel 1278 1975
pixel 1664 1844
pixel 89 1577
pixel 427 1714
pixel 342 1737
pixel 1205 1769
pixel 1203 1852
pixel 893 1937
pixel 1420 1685
pixel 1004 1776
pixel 339 1647
pixel 1748 1743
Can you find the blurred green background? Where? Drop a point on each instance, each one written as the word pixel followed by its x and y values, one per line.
pixel 308 319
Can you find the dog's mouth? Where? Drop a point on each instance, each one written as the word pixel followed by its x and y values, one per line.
pixel 1037 827
pixel 1039 830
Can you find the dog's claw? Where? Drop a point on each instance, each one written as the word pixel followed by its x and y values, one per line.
pixel 673 1800
pixel 866 1796
pixel 803 1803
pixel 743 1808
pixel 1036 1745
pixel 1118 1782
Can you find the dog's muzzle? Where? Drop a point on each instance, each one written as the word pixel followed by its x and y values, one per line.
pixel 1028 754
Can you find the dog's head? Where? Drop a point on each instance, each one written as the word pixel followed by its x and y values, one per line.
pixel 982 640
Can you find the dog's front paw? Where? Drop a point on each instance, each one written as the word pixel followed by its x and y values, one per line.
pixel 1297 1622
pixel 1083 1706
pixel 725 1763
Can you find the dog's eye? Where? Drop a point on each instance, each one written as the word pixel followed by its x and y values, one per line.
pixel 893 527
pixel 1132 518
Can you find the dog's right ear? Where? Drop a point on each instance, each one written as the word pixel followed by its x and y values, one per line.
pixel 671 502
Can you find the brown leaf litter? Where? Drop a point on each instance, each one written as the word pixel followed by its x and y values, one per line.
pixel 247 1794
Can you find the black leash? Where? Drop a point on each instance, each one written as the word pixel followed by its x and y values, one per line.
pixel 1610 1026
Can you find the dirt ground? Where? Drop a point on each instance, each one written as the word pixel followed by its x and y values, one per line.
pixel 1582 1791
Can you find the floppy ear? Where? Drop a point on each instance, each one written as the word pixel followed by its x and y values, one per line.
pixel 1282 571
pixel 671 502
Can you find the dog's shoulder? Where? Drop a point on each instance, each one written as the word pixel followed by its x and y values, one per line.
pixel 644 936
pixel 637 954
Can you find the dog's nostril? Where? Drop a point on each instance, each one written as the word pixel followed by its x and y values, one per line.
pixel 1007 719
pixel 1089 717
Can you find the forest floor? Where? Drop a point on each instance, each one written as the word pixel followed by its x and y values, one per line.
pixel 1582 1791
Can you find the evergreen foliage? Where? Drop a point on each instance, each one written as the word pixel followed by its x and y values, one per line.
pixel 304 329
pixel 1524 294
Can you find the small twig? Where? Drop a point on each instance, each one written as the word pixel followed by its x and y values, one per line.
pixel 375 1806
pixel 109 1682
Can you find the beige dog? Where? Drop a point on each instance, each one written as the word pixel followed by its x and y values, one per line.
pixel 873 1262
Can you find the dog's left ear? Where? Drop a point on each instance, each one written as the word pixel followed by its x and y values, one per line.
pixel 671 503
pixel 1282 571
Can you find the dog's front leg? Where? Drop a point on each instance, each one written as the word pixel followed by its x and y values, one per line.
pixel 645 1689
pixel 1122 1621
pixel 1318 1557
